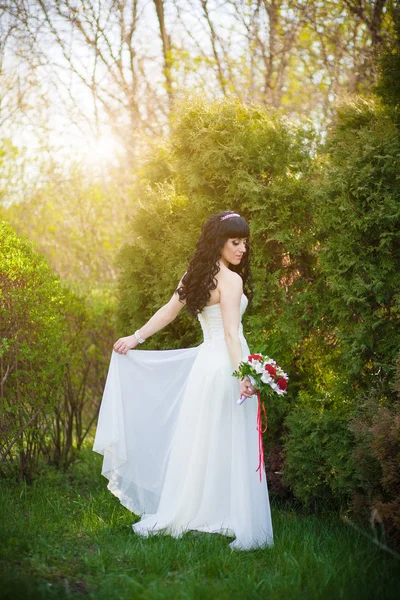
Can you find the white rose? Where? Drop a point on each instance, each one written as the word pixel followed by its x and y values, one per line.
pixel 266 377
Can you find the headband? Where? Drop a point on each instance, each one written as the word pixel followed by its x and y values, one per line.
pixel 228 216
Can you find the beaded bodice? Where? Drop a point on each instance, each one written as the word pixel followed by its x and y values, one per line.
pixel 211 320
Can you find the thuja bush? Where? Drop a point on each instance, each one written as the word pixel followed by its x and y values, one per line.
pixel 163 236
pixel 358 215
pixel 318 466
pixel 349 458
pixel 347 451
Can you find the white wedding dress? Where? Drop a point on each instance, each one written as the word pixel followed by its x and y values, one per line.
pixel 178 449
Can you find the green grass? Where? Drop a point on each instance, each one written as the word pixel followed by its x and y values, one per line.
pixel 67 536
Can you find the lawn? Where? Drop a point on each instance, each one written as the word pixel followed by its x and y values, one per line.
pixel 67 536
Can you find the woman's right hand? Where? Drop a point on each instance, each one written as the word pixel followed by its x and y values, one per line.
pixel 126 343
pixel 246 388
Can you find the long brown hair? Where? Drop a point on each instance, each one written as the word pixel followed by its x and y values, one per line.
pixel 199 278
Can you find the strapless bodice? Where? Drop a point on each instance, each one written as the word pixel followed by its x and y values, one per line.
pixel 211 320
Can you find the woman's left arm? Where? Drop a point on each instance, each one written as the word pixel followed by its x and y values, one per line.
pixel 164 315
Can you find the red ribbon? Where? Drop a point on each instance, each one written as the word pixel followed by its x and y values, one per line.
pixel 260 432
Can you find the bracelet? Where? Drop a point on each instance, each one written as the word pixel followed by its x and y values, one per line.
pixel 138 337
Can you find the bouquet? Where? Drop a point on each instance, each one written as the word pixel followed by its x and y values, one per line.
pixel 262 371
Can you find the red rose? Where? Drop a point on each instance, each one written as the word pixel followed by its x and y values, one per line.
pixel 255 357
pixel 282 383
pixel 271 370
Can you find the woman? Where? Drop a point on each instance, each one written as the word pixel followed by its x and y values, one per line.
pixel 177 447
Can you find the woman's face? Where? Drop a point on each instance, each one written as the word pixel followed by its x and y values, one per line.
pixel 233 250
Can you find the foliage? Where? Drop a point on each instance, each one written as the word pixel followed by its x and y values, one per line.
pixel 151 265
pixel 76 220
pixel 10 171
pixel 388 60
pixel 349 458
pixel 375 426
pixel 50 360
pixel 342 445
pixel 358 215
pixel 32 353
pixel 317 451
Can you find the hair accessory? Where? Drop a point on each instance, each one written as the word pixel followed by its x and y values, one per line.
pixel 228 216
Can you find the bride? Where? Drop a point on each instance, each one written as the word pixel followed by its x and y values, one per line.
pixel 178 449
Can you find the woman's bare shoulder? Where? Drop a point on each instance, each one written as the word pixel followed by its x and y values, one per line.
pixel 229 281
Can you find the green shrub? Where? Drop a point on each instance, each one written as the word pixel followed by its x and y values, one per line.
pixel 318 465
pixel 375 426
pixel 54 353
pixel 388 63
pixel 358 214
pixel 348 457
pixel 32 352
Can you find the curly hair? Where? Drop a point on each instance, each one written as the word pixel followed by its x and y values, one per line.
pixel 199 278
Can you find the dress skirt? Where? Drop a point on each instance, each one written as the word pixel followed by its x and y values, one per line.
pixel 178 449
